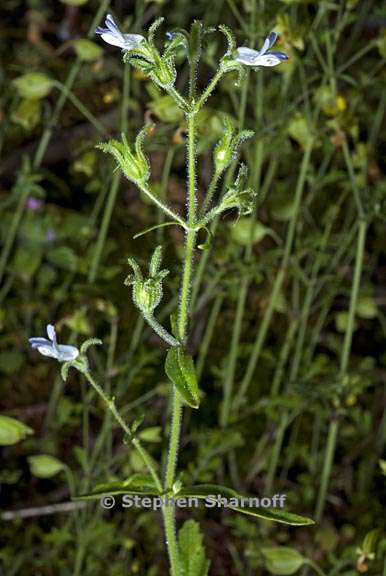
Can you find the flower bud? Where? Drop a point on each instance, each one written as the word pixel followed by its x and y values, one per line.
pixel 135 166
pixel 228 147
pixel 147 294
pixel 238 196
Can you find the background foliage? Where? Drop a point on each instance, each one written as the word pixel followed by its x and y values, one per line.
pixel 289 324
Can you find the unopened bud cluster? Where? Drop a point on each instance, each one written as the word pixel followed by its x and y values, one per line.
pixel 147 292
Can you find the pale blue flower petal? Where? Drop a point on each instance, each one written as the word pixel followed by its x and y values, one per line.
pixel 246 55
pixel 51 333
pixel 67 352
pixel 268 60
pixel 268 42
pixel 112 35
pixel 113 39
pixel 50 348
pixel 48 351
pixel 35 342
pixel 132 40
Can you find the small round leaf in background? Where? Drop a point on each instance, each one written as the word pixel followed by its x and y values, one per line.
pixel 245 231
pixel 87 50
pixel 12 431
pixel 34 85
pixel 283 561
pixel 45 466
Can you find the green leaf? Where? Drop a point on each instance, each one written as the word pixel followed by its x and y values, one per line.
pixel 273 514
pixel 78 322
pixel 283 561
pixel 87 50
pixel 63 257
pixel 151 434
pixel 179 367
pixel 300 130
pixel 44 465
pixel 12 431
pixel 245 231
pixel 140 484
pixel 366 307
pixel 190 540
pixel 382 465
pixel 369 543
pixel 27 261
pixel 166 110
pixel 34 85
pixel 28 113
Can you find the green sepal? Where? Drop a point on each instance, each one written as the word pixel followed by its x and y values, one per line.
pixel 238 196
pixel 147 293
pixel 195 38
pixel 90 342
pixel 135 166
pixel 152 30
pixel 179 368
pixel 230 39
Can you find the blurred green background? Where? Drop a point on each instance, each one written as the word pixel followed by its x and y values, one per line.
pixel 291 318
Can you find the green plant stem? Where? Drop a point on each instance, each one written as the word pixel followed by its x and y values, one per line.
pixel 135 441
pixel 11 233
pixel 208 90
pixel 160 330
pixel 163 206
pixel 107 213
pixel 99 127
pixel 183 315
pixel 316 568
pixel 334 423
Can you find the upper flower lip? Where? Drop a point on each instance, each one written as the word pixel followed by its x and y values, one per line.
pixel 51 348
pixel 112 35
pixel 251 57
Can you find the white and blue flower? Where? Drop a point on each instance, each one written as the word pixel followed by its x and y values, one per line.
pixel 262 57
pixel 112 35
pixel 50 347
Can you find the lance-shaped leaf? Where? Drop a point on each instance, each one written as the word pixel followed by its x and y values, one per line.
pixel 179 367
pixel 234 500
pixel 137 484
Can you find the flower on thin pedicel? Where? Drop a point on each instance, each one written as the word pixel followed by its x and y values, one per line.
pixel 112 35
pixel 262 57
pixel 50 347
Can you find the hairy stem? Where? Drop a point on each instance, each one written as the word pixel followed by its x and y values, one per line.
pixel 183 314
pixel 136 443
pixel 160 330
pixel 163 206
